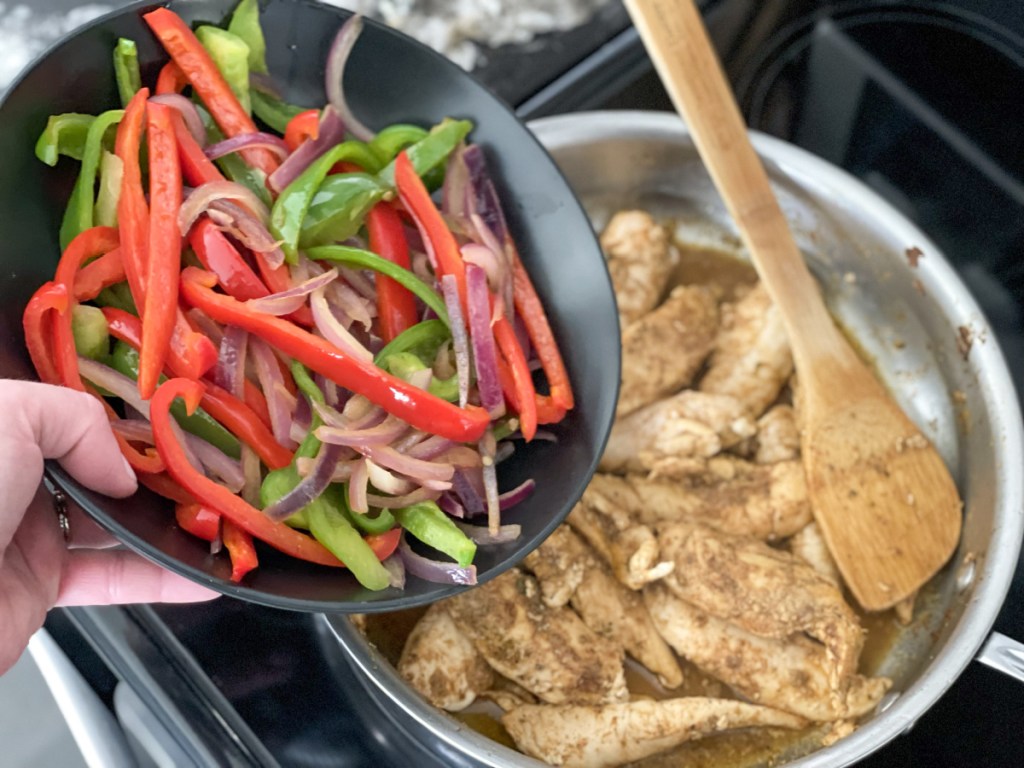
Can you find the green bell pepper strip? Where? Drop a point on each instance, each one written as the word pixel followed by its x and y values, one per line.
pixel 393 139
pixel 331 527
pixel 111 175
pixel 231 55
pixel 405 364
pixel 63 135
pixel 310 446
pixel 78 216
pixel 434 528
pixel 275 485
pixel 245 24
pixel 340 208
pixel 89 328
pixel 373 526
pixel 289 212
pixel 272 111
pixel 118 296
pixel 126 69
pixel 361 259
pixel 125 360
pixel 423 340
pixel 233 166
pixel 431 151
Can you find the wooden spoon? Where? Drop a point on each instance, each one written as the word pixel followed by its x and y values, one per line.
pixel 882 495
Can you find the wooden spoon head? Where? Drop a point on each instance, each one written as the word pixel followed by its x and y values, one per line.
pixel 883 497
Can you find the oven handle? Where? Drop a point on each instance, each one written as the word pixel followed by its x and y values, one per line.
pixel 1004 654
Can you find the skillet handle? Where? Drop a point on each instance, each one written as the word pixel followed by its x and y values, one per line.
pixel 1005 654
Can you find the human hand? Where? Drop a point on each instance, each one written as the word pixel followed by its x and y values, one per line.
pixel 38 569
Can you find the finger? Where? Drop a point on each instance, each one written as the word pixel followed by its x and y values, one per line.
pixel 117 577
pixel 86 533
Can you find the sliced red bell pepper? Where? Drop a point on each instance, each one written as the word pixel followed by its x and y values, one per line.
pixel 440 240
pixel 143 462
pixel 416 407
pixel 522 380
pixel 240 547
pixel 196 167
pixel 162 485
pixel 132 210
pixel 530 309
pixel 218 255
pixel 37 321
pixel 217 497
pixel 547 411
pixel 278 280
pixel 254 398
pixel 195 63
pixel 384 544
pixel 246 425
pixel 191 357
pixel 164 261
pixel 171 79
pixel 305 125
pixel 124 326
pixel 198 520
pixel 396 306
pixel 101 273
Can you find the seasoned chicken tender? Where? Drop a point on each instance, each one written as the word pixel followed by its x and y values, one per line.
pixel 767 502
pixel 604 517
pixel 548 651
pixel 664 350
pixel 791 675
pixel 752 360
pixel 809 545
pixel 762 590
pixel 690 424
pixel 441 663
pixel 569 571
pixel 600 737
pixel 778 438
pixel 640 261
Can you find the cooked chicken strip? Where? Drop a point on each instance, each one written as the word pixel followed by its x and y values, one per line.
pixel 569 570
pixel 786 674
pixel 689 424
pixel 639 261
pixel 664 350
pixel 548 651
pixel 599 737
pixel 809 545
pixel 441 663
pixel 762 590
pixel 603 518
pixel 778 438
pixel 765 501
pixel 751 359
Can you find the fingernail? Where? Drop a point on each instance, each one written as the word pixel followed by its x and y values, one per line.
pixel 128 467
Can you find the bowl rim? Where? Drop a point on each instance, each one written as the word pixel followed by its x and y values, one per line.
pixel 993 578
pixel 59 478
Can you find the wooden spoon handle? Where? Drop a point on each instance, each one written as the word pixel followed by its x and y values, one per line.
pixel 674 35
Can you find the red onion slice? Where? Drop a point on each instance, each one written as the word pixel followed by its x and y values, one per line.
pixel 412 468
pixel 360 283
pixel 242 141
pixel 336 60
pixel 469 489
pixel 459 341
pixel 206 325
pixel 417 496
pixel 384 433
pixel 352 305
pixel 310 487
pixel 396 571
pixel 247 229
pixel 332 330
pixel 429 449
pixel 490 473
pixel 485 536
pixel 230 371
pixel 286 302
pixel 357 488
pixel 188 111
pixel 456 182
pixel 387 482
pixel 478 299
pixel 200 199
pixel 452 507
pixel 112 381
pixel 435 570
pixel 280 402
pixel 332 133
pixel 517 495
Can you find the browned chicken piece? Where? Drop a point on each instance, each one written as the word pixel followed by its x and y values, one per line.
pixel 762 590
pixel 690 424
pixel 570 571
pixel 791 675
pixel 640 261
pixel 809 545
pixel 767 501
pixel 600 737
pixel 441 663
pixel 751 359
pixel 664 350
pixel 604 518
pixel 548 651
pixel 778 438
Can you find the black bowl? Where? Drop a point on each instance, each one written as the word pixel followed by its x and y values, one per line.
pixel 391 78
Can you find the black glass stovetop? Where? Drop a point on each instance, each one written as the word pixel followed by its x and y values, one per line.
pixel 920 100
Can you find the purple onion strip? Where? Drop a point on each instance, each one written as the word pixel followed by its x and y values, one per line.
pixel 335 74
pixel 332 133
pixel 485 356
pixel 230 371
pixel 485 536
pixel 435 570
pixel 517 495
pixel 417 496
pixel 287 301
pixel 200 199
pixel 280 402
pixel 396 571
pixel 332 330
pixel 357 488
pixel 384 433
pixel 310 487
pixel 460 343
pixel 189 114
pixel 242 141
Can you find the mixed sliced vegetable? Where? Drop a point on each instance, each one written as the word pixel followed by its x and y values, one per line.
pixel 305 332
